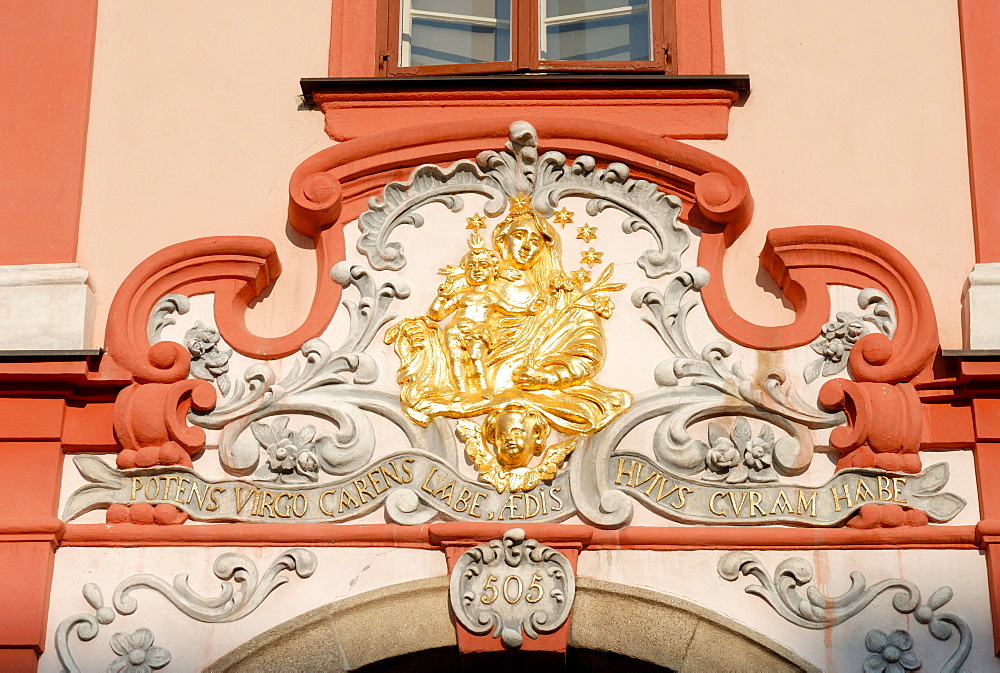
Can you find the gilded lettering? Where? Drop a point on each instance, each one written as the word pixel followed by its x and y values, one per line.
pixel 295 505
pixel 136 485
pixel 445 492
pixel 196 494
pixel 897 490
pixel 373 478
pixel 866 495
pixel 838 498
pixel 660 495
pixel 755 498
pixel 384 469
pixel 656 477
pixel 182 483
pixel 509 504
pixel 781 504
pixel 288 506
pixel 473 508
pixel 240 504
pixel 555 497
pixel 622 472
pixel 213 494
pixel 267 505
pixel 428 480
pixel 639 481
pixel 362 490
pixel 322 507
pixel 463 499
pixel 680 497
pixel 732 499
pixel 884 492
pixel 529 499
pixel 347 499
pixel 806 505
pixel 711 503
pixel 407 471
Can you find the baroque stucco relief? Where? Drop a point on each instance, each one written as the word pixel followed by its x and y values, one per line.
pixel 503 405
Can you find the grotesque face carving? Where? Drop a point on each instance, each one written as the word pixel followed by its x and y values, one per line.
pixel 517 434
pixel 523 244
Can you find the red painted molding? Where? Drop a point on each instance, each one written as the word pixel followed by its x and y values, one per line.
pixel 804 261
pixel 980 24
pixel 432 536
pixel 47 53
pixel 701 113
pixel 884 420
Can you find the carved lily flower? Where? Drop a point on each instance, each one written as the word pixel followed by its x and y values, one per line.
pixel 889 652
pixel 603 306
pixel 137 654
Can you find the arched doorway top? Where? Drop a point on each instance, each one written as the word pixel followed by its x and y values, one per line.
pixel 407 618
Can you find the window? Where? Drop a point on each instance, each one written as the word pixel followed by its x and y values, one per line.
pixel 430 37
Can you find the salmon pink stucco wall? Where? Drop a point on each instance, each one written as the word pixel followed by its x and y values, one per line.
pixel 194 131
pixel 856 119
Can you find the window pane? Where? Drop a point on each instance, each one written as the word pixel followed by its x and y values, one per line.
pixel 443 32
pixel 595 30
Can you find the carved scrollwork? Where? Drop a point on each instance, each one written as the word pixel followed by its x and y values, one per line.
pixel 512 586
pixel 816 611
pixel 518 171
pixel 330 384
pixel 697 386
pixel 242 593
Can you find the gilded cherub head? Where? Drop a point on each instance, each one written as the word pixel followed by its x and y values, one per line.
pixel 517 433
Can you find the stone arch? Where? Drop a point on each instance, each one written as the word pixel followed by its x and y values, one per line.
pixel 404 619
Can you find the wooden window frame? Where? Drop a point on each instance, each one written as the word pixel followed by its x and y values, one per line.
pixel 524 48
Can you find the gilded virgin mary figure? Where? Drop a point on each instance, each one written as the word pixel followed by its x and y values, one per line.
pixel 521 343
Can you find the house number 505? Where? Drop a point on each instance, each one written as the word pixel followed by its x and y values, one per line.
pixel 512 590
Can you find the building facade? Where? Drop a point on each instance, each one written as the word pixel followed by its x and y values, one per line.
pixel 391 335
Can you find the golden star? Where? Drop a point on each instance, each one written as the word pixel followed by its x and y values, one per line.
pixel 586 233
pixel 520 204
pixel 476 222
pixel 563 217
pixel 591 257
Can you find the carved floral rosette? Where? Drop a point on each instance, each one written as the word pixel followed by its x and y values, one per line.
pixel 512 586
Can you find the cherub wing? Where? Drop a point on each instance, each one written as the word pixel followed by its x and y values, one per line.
pixel 554 457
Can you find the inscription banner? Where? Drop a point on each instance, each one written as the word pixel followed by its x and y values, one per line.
pixel 829 504
pixel 402 481
pixel 414 486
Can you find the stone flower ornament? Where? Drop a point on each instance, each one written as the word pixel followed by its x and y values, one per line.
pixel 291 453
pixel 137 654
pixel 890 653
